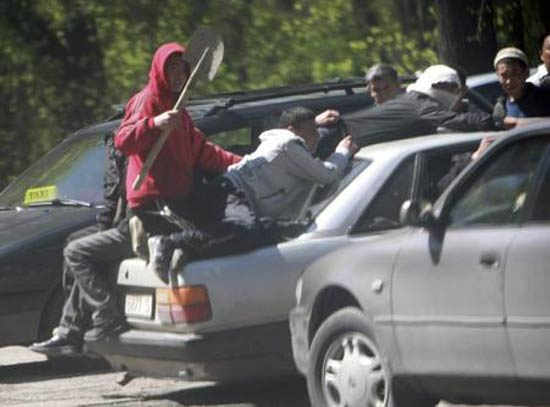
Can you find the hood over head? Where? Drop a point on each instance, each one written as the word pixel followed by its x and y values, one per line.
pixel 437 74
pixel 158 82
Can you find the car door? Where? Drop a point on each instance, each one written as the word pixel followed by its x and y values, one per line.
pixel 417 177
pixel 527 288
pixel 448 302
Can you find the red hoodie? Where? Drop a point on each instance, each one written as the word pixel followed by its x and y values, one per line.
pixel 185 149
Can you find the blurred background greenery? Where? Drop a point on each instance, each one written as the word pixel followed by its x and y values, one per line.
pixel 64 63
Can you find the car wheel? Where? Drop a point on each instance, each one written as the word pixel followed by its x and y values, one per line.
pixel 346 368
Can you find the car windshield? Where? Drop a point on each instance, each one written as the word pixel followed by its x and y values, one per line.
pixel 320 196
pixel 71 171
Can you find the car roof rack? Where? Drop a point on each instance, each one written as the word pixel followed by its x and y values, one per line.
pixel 221 101
pixel 227 100
pixel 347 84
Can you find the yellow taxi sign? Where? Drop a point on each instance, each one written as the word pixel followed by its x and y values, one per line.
pixel 40 194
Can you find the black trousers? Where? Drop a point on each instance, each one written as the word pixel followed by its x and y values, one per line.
pixel 223 222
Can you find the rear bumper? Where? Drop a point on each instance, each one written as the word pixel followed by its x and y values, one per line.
pixel 228 356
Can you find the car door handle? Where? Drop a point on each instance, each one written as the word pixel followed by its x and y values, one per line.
pixel 489 261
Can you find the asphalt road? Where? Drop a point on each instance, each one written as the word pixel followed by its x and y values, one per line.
pixel 28 379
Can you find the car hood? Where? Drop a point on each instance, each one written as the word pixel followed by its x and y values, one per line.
pixel 34 227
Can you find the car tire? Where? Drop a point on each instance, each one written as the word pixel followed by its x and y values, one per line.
pixel 346 367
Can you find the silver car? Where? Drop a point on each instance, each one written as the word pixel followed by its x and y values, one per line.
pixel 228 317
pixel 456 306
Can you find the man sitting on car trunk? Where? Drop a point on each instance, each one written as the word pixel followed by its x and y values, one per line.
pixel 146 115
pixel 270 182
pixel 94 250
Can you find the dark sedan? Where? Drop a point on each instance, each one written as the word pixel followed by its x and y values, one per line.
pixel 59 194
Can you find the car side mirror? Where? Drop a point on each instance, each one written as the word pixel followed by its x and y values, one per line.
pixel 417 213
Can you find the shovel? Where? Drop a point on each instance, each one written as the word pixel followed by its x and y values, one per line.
pixel 204 54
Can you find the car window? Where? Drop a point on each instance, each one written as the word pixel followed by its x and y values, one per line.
pixel 318 196
pixel 499 192
pixel 441 166
pixel 73 169
pixel 238 140
pixel 432 166
pixel 383 212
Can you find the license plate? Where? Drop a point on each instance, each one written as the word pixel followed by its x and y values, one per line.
pixel 138 305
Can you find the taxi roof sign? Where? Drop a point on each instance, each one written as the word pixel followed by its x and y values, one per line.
pixel 40 194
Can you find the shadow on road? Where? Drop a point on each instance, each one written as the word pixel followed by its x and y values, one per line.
pixel 52 368
pixel 289 392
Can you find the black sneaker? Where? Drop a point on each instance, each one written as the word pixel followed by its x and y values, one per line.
pixel 58 346
pixel 161 249
pixel 105 331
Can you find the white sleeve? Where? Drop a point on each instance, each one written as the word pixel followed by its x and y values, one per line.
pixel 304 165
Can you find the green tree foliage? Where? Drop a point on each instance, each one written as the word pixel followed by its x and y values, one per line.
pixel 64 63
pixel 521 22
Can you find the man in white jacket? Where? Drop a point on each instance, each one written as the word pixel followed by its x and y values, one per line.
pixel 275 175
pixel 542 76
pixel 268 183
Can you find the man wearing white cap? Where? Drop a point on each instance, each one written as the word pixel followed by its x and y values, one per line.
pixel 521 98
pixel 429 104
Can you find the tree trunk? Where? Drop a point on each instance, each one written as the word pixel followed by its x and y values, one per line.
pixel 544 13
pixel 467 37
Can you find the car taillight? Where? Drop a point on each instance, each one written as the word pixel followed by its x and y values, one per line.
pixel 183 304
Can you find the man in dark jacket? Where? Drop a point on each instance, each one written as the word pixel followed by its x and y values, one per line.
pixel 521 98
pixel 67 338
pixel 429 104
pixel 382 83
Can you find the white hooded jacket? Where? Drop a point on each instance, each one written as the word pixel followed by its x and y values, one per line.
pixel 275 176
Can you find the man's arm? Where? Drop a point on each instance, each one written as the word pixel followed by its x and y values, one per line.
pixel 304 165
pixel 437 117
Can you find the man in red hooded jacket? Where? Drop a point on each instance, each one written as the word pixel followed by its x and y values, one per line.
pixel 150 112
pixel 169 180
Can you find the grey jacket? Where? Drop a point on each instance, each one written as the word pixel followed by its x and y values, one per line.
pixel 276 175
